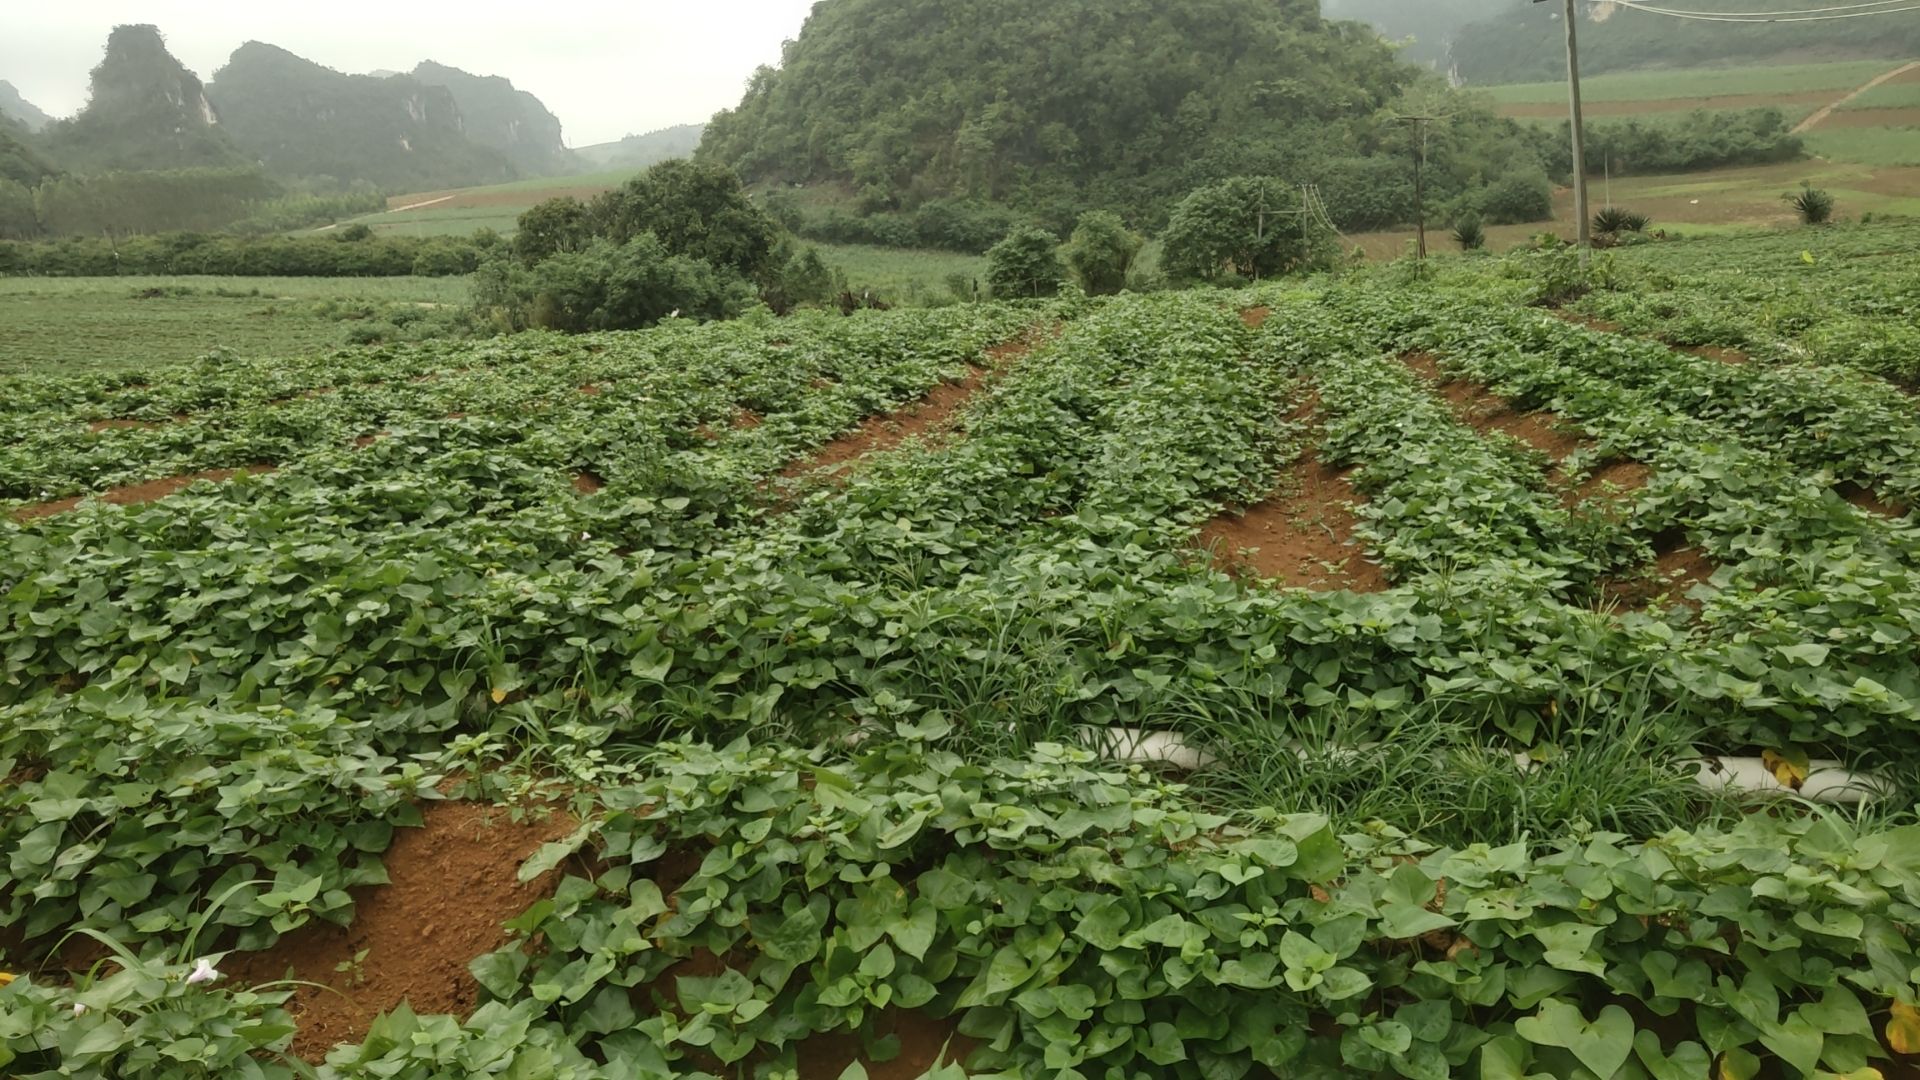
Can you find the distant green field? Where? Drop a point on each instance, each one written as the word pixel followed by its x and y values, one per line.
pixel 1868 146
pixel 1704 83
pixel 432 222
pixel 902 276
pixel 1893 95
pixel 51 325
pixel 611 178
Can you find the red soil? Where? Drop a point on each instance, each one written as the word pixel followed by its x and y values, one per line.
pixel 932 413
pixel 1676 569
pixel 1870 502
pixel 1256 317
pixel 135 494
pixel 1304 536
pixel 1717 352
pixel 879 434
pixel 593 390
pixel 587 483
pixel 1609 482
pixel 1485 411
pixel 453 884
pixel 922 1040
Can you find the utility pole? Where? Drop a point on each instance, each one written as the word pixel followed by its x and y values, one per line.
pixel 1419 178
pixel 1579 132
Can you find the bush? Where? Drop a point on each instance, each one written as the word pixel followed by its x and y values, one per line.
pixel 1615 220
pixel 1025 264
pixel 309 255
pixel 1247 227
pixel 695 209
pixel 607 286
pixel 1469 233
pixel 1515 199
pixel 550 228
pixel 1101 251
pixel 1814 205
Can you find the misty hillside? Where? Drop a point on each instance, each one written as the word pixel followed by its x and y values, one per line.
pixel 20 110
pixel 298 118
pixel 498 115
pixel 641 151
pixel 144 110
pixel 1431 26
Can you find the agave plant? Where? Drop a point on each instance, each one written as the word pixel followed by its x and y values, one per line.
pixel 1814 205
pixel 1469 234
pixel 1615 220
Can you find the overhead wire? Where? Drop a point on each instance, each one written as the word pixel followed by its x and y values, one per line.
pixel 1764 14
pixel 1757 17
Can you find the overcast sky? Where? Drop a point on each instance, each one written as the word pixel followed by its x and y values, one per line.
pixel 606 68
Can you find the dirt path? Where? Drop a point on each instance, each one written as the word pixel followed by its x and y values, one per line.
pixel 422 205
pixel 1820 117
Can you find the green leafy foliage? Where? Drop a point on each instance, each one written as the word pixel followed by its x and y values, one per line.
pixel 1246 228
pixel 1025 264
pixel 1101 252
pixel 1069 915
pixel 1815 206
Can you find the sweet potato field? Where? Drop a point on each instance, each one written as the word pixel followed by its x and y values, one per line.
pixel 1343 678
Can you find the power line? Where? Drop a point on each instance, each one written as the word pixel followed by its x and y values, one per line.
pixel 1770 14
pixel 1631 5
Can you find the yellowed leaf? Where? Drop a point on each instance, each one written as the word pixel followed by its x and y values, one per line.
pixel 5 977
pixel 1903 1029
pixel 1787 766
pixel 499 695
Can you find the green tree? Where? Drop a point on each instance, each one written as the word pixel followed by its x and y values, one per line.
pixel 1101 251
pixel 17 218
pixel 552 227
pixel 699 210
pixel 607 286
pixel 1248 227
pixel 1026 263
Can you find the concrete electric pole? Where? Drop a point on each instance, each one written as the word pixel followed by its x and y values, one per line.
pixel 1584 222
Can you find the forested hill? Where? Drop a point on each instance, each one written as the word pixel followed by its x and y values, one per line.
pixel 1124 103
pixel 498 115
pixel 301 119
pixel 20 110
pixel 144 111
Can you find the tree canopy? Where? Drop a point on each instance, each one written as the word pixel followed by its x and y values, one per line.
pixel 1124 104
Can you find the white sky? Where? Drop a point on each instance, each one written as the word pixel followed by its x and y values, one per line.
pixel 606 68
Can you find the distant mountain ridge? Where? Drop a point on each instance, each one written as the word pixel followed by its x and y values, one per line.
pixel 19 109
pixel 144 110
pixel 298 118
pixel 643 151
pixel 498 115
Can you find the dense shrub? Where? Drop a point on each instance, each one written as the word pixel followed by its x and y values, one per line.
pixel 607 286
pixel 1247 227
pixel 943 225
pixel 1025 264
pixel 694 209
pixel 1101 251
pixel 1698 141
pixel 1514 199
pixel 239 256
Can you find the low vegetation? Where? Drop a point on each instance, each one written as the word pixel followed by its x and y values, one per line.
pixel 960 747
